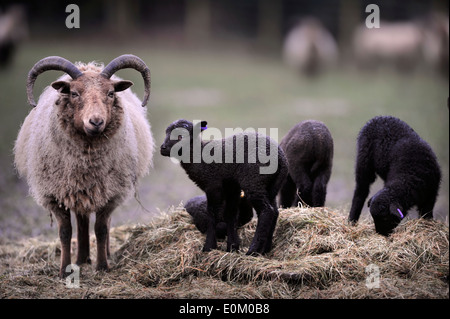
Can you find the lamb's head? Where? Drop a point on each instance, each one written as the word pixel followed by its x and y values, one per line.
pixel 182 134
pixel 88 101
pixel 387 213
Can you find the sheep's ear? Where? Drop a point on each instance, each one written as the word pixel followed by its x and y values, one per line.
pixel 204 125
pixel 61 86
pixel 122 85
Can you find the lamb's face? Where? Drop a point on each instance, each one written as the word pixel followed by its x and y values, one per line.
pixel 176 132
pixel 386 213
pixel 92 99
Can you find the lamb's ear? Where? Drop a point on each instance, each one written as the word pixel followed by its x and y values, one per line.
pixel 204 125
pixel 122 85
pixel 61 86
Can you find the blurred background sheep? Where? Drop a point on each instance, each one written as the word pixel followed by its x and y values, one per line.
pixel 223 60
pixel 13 30
pixel 309 48
pixel 404 45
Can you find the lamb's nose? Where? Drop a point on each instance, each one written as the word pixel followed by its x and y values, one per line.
pixel 97 122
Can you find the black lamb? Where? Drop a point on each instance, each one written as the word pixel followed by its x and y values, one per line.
pixel 197 207
pixel 390 148
pixel 309 150
pixel 223 178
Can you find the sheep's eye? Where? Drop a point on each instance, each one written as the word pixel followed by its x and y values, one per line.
pixel 74 94
pixel 180 137
pixel 111 94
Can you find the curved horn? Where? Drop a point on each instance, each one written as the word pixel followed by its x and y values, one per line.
pixel 130 61
pixel 47 64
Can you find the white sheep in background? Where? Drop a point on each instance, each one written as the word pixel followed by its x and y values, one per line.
pixel 309 48
pixel 84 147
pixel 404 45
pixel 398 43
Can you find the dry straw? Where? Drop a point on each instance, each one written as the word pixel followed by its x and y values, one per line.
pixel 316 254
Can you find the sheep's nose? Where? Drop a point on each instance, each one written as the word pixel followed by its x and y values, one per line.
pixel 97 122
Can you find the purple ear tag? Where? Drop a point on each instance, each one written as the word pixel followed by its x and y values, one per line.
pixel 204 127
pixel 400 212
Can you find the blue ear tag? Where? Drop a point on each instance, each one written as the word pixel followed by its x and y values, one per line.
pixel 204 128
pixel 400 212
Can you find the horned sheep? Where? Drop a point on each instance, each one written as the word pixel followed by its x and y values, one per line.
pixel 390 148
pixel 84 146
pixel 223 180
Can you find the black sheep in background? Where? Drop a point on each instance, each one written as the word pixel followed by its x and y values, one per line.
pixel 309 150
pixel 391 149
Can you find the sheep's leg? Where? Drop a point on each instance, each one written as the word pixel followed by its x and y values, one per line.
pixel 426 210
pixel 359 197
pixel 83 239
pixel 319 191
pixel 231 211
pixel 288 192
pixel 268 245
pixel 215 200
pixel 267 217
pixel 108 246
pixel 65 235
pixel 304 186
pixel 364 176
pixel 102 223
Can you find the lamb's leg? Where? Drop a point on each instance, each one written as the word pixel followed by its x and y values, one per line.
pixel 230 216
pixel 83 239
pixel 304 186
pixel 268 245
pixel 65 236
pixel 359 197
pixel 214 198
pixel 364 176
pixel 319 190
pixel 288 192
pixel 267 217
pixel 101 228
pixel 426 210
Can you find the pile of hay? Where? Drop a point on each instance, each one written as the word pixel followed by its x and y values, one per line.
pixel 316 254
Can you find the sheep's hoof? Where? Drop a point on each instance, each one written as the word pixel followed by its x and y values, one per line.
pixel 232 247
pixel 102 267
pixel 63 274
pixel 84 261
pixel 206 249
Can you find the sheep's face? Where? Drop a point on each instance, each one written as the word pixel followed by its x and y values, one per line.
pixel 182 134
pixel 386 213
pixel 92 101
